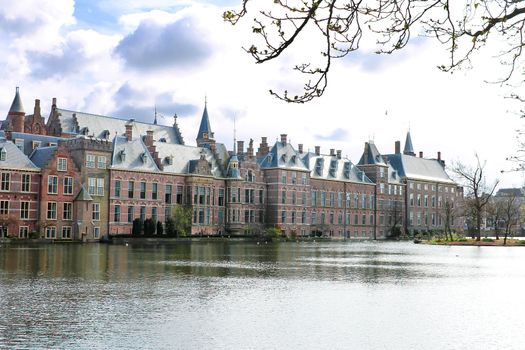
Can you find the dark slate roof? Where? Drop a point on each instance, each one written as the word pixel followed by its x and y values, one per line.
pixel 17 106
pixel 283 156
pixel 83 195
pixel 232 172
pixel 416 168
pixel 409 149
pixel 205 125
pixel 41 156
pixel 97 125
pixel 373 156
pixel 15 158
pixel 29 138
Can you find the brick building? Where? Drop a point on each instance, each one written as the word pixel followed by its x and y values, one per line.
pixel 93 175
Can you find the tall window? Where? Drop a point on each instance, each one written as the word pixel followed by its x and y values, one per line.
pixel 68 185
pixel 62 164
pixel 117 188
pixel 130 214
pixel 66 232
pixel 167 194
pixel 24 210
pixel 5 182
pixel 90 160
pixel 23 232
pixel 131 188
pixel 154 189
pixel 101 164
pixel 100 186
pixel 142 190
pixel 4 207
pixel 221 197
pixel 142 213
pixel 3 154
pixel 51 210
pixel 92 185
pixel 96 232
pixel 51 232
pixel 154 214
pixel 52 184
pixel 180 192
pixel 26 182
pixel 294 178
pixel 283 177
pixel 68 210
pixel 96 211
pixel 117 213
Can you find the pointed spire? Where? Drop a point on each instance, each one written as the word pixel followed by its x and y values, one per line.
pixel 155 120
pixel 234 137
pixel 205 127
pixel 16 106
pixel 409 149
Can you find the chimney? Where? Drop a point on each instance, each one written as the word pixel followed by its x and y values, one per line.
pixel 175 119
pixel 420 154
pixel 149 138
pixel 37 108
pixel 338 154
pixel 317 150
pixel 439 156
pixel 398 147
pixel 129 130
pixel 300 146
pixel 249 150
pixel 283 139
pixel 332 151
pixel 54 102
pixel 263 147
pixel 240 147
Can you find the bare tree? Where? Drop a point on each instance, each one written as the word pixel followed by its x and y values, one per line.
pixel 478 193
pixel 493 213
pixel 335 28
pixel 510 213
pixel 450 214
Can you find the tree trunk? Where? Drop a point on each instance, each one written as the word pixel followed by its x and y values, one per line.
pixel 478 226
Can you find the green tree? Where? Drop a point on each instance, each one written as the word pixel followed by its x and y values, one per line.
pixel 334 29
pixel 138 227
pixel 149 227
pixel 182 220
pixel 160 228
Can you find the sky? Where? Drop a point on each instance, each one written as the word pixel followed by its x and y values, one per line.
pixel 126 58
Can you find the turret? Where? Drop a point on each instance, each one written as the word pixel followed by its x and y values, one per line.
pixel 16 114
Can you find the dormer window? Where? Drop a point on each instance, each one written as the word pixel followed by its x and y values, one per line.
pixel 293 159
pixel 144 157
pixel 204 135
pixel 105 134
pixel 333 167
pixel 3 154
pixel 346 170
pixel 169 160
pixel 122 155
pixel 319 166
pixel 283 157
pixel 84 130
pixel 162 139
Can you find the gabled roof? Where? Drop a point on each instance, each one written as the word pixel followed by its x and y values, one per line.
pixel 205 125
pixel 97 125
pixel 41 155
pixel 181 157
pixel 132 155
pixel 14 157
pixel 372 156
pixel 332 168
pixel 16 105
pixel 409 149
pixel 83 195
pixel 283 156
pixel 419 168
pixel 44 140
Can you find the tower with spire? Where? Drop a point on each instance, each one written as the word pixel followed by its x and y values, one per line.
pixel 409 149
pixel 205 135
pixel 16 114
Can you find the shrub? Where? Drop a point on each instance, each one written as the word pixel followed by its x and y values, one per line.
pixel 487 240
pixel 170 228
pixel 160 228
pixel 149 227
pixel 138 226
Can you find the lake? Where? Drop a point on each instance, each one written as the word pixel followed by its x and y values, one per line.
pixel 244 295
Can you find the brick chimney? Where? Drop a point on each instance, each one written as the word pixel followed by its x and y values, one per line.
pixel 129 130
pixel 240 147
pixel 263 147
pixel 36 110
pixel 283 139
pixel 420 154
pixel 317 150
pixel 249 150
pixel 332 151
pixel 439 156
pixel 149 138
pixel 300 146
pixel 398 147
pixel 338 154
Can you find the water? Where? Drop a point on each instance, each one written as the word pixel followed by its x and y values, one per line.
pixel 240 295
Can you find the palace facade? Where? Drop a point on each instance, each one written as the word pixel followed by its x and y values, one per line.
pixel 81 176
